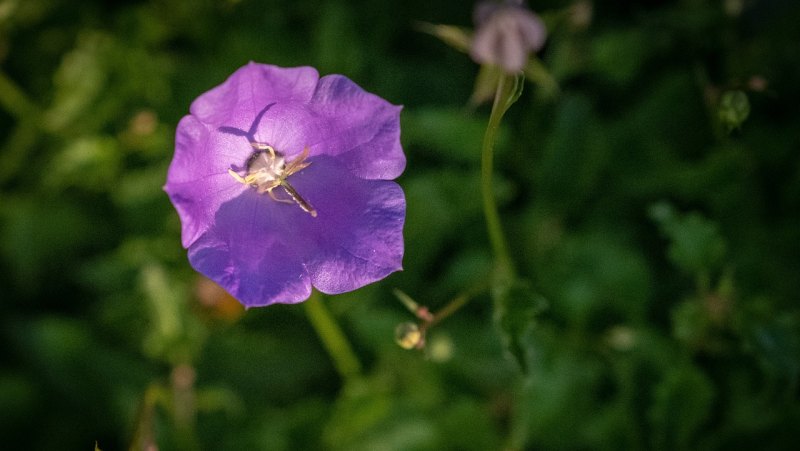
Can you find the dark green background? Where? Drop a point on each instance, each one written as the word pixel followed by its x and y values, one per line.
pixel 661 237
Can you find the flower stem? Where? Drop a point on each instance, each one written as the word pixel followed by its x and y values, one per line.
pixel 456 303
pixel 509 88
pixel 144 431
pixel 449 309
pixel 333 339
pixel 184 406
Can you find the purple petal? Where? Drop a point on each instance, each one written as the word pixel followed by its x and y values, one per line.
pixel 532 30
pixel 359 127
pixel 358 232
pixel 266 252
pixel 507 37
pixel 483 11
pixel 330 116
pixel 197 179
pixel 249 253
pixel 512 54
pixel 484 44
pixel 237 101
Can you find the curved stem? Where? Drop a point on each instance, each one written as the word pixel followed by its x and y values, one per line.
pixel 333 339
pixel 509 87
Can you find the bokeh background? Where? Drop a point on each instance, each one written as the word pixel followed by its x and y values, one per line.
pixel 652 203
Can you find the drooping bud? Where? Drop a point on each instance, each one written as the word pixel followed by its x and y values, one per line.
pixel 506 34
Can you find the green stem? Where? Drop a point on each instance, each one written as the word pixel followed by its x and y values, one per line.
pixel 458 302
pixel 184 406
pixel 448 309
pixel 144 430
pixel 333 339
pixel 509 87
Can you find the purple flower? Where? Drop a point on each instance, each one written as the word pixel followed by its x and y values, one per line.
pixel 506 33
pixel 282 180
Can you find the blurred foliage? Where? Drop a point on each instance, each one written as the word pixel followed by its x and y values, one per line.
pixel 652 203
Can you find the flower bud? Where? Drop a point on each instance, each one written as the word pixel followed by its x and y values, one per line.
pixel 734 107
pixel 506 34
pixel 409 336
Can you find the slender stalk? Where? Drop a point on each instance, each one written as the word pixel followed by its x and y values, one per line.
pixel 508 90
pixel 333 339
pixel 144 431
pixel 459 301
pixel 448 309
pixel 184 406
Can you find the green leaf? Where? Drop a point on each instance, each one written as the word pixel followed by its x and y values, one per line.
pixel 690 321
pixel 515 312
pixel 620 54
pixel 682 403
pixel 43 238
pixel 696 245
pixel 575 150
pixel 91 162
pixel 449 134
pixel 80 80
pixel 594 278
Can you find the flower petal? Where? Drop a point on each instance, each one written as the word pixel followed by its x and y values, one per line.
pixel 512 54
pixel 265 252
pixel 249 253
pixel 331 116
pixel 238 100
pixel 362 129
pixel 533 31
pixel 197 179
pixel 506 35
pixel 357 236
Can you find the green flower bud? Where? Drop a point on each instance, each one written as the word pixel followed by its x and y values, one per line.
pixel 734 107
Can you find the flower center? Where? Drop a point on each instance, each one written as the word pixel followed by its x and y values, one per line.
pixel 267 169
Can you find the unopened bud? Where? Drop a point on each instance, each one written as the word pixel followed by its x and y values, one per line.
pixel 408 336
pixel 734 107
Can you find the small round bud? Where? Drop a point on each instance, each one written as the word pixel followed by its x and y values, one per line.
pixel 408 336
pixel 734 108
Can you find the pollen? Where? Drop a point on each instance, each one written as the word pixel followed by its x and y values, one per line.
pixel 268 169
